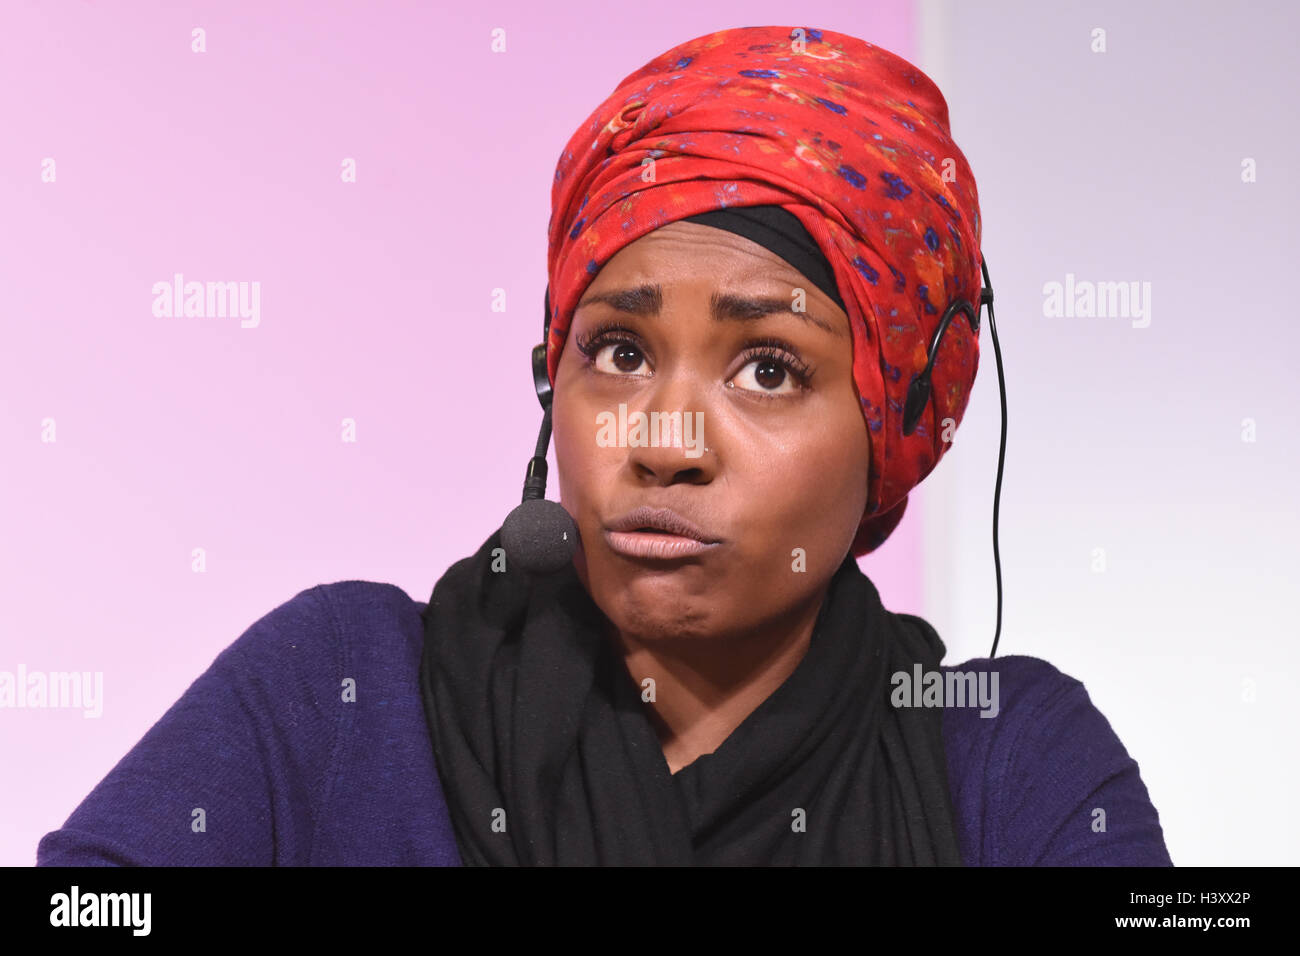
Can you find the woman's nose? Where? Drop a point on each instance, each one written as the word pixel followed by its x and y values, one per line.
pixel 673 443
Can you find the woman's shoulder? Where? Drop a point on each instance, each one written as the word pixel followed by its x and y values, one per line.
pixel 328 612
pixel 262 735
pixel 328 625
pixel 318 630
pixel 1017 681
pixel 1038 773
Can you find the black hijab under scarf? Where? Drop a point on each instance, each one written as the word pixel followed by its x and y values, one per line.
pixel 546 755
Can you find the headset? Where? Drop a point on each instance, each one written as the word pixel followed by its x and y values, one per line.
pixel 541 535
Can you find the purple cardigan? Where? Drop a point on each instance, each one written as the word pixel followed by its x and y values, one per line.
pixel 289 774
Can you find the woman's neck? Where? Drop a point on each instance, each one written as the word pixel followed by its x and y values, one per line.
pixel 704 688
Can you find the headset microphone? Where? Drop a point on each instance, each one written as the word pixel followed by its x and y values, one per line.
pixel 918 393
pixel 539 534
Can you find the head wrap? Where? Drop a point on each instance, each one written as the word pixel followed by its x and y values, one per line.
pixel 779 232
pixel 850 139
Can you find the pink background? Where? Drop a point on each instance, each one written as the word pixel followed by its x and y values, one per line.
pixel 183 433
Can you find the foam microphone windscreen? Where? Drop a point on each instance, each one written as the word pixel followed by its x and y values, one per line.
pixel 540 535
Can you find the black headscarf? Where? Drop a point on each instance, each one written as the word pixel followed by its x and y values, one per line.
pixel 546 755
pixel 779 231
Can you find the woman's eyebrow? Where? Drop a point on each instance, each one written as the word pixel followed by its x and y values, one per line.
pixel 646 300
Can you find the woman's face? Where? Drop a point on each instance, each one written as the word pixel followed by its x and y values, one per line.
pixel 785 473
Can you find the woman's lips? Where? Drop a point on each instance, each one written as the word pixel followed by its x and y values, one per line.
pixel 658 545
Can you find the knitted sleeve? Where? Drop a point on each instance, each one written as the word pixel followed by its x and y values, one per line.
pixel 234 772
pixel 1047 782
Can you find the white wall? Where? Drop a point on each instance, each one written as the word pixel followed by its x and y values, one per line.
pixel 1127 166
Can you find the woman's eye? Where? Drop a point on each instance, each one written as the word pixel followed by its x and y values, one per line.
pixel 623 358
pixel 767 375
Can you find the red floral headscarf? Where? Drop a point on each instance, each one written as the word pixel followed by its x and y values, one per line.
pixel 853 141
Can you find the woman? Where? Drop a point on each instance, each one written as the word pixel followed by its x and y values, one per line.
pixel 752 243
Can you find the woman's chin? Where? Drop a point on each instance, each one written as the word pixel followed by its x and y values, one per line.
pixel 658 608
pixel 663 628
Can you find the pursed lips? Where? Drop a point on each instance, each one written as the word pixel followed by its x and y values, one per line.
pixel 657 534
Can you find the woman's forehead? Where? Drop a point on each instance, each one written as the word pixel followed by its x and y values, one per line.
pixel 702 256
pixel 728 304
pixel 689 240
